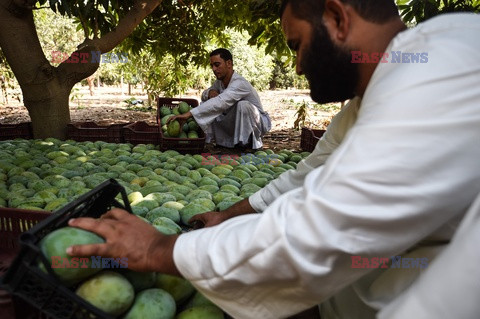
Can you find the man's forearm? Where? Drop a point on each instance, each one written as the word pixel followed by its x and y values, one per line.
pixel 242 207
pixel 161 255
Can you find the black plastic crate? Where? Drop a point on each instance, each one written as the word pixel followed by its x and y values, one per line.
pixel 24 279
pixel 172 102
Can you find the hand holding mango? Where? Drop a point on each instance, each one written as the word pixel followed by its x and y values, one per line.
pixel 129 237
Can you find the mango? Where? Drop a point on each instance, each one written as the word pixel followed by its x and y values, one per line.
pixel 109 291
pixel 179 288
pixel 201 312
pixel 152 303
pixel 173 128
pixel 183 107
pixel 54 245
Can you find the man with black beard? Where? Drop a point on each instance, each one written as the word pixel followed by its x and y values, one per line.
pixel 396 187
pixel 332 78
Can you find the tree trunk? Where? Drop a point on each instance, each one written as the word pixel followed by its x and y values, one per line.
pixel 50 117
pixel 46 89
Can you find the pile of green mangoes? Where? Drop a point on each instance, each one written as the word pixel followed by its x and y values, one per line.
pixel 165 189
pixel 48 174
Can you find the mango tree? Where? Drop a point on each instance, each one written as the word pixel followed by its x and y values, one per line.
pixel 178 27
pixel 416 11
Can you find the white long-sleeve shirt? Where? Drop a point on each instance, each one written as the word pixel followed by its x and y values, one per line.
pixel 238 89
pixel 292 179
pixel 406 172
pixel 450 288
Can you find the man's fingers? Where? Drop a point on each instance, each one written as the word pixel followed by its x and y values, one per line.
pixel 86 223
pixel 196 224
pixel 172 118
pixel 88 250
pixel 100 227
pixel 116 213
pixel 198 218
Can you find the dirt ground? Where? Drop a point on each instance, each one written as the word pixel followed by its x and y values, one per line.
pixel 107 106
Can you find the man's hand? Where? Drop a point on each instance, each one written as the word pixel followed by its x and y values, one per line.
pixel 209 219
pixel 127 236
pixel 213 93
pixel 182 118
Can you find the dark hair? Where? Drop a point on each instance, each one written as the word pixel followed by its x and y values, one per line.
pixel 376 11
pixel 224 54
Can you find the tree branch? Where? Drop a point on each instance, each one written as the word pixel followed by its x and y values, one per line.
pixel 95 30
pixel 75 72
pixel 80 65
pixel 127 24
pixel 83 22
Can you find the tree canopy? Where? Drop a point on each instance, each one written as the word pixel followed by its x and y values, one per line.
pixel 178 33
pixel 416 11
pixel 182 28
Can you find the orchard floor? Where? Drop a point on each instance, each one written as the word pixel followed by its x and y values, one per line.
pixel 107 106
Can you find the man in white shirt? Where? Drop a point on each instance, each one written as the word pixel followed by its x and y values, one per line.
pixel 231 112
pixel 397 186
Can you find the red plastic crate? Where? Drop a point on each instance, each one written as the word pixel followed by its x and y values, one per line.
pixel 142 133
pixel 14 222
pixel 13 131
pixel 309 138
pixel 91 131
pixel 173 102
pixel 181 145
pixel 184 145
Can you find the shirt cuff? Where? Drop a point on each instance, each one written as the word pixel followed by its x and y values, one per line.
pixel 194 111
pixel 257 202
pixel 205 95
pixel 185 262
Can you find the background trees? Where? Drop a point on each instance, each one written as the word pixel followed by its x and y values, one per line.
pixel 175 32
pixel 416 11
pixel 166 41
